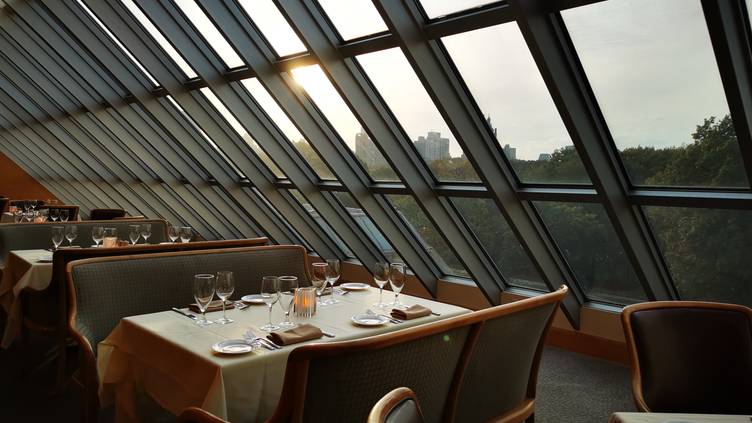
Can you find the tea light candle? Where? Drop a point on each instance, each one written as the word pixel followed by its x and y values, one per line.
pixel 109 242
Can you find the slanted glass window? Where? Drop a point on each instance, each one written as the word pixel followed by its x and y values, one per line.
pixel 426 233
pixel 211 34
pixel 240 130
pixel 160 39
pixel 652 68
pixel 353 18
pixel 591 247
pixel 278 116
pixel 500 243
pixel 273 25
pixel 516 104
pixel 322 223
pixel 328 100
pixel 707 251
pixel 368 227
pixel 403 92
pixel 253 191
pixel 117 42
pixel 439 8
pixel 206 138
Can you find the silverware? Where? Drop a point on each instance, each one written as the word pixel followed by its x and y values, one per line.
pixel 435 313
pixel 263 341
pixel 240 305
pixel 179 311
pixel 271 343
pixel 328 335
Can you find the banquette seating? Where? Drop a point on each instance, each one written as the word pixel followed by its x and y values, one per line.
pixel 106 214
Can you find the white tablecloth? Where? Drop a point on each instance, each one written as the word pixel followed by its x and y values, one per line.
pixel 7 218
pixel 677 418
pixel 21 271
pixel 168 357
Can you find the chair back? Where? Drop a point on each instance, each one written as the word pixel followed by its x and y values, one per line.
pixel 4 203
pixel 399 406
pixel 690 357
pixel 106 214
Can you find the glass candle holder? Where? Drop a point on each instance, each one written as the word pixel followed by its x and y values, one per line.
pixel 305 302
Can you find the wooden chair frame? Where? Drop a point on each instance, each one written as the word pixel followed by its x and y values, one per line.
pixel 385 405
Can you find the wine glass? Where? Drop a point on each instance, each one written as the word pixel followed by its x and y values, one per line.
pixel 270 294
pixel 64 215
pixel 381 277
pixel 57 236
pixel 146 232
pixel 26 206
pixel 287 287
pixel 225 288
pixel 54 214
pixel 71 233
pixel 134 233
pixel 203 292
pixel 333 273
pixel 318 279
pixel 186 233
pixel 173 232
pixel 97 234
pixel 397 282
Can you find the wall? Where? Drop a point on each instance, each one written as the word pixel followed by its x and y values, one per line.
pixel 15 183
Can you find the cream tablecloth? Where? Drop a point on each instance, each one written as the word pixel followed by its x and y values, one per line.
pixel 676 418
pixel 22 270
pixel 7 218
pixel 168 357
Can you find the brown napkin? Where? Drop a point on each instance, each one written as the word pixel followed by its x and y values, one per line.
pixel 215 305
pixel 412 312
pixel 297 334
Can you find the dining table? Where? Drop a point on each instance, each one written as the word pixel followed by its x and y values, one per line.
pixel 7 218
pixel 167 359
pixel 678 418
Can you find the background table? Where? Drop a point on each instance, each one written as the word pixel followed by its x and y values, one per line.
pixel 7 218
pixel 22 270
pixel 167 356
pixel 671 417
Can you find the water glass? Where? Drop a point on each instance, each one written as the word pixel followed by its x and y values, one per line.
pixel 333 273
pixel 134 233
pixel 203 293
pixel 318 279
pixel 97 234
pixel 54 214
pixel 397 282
pixel 287 287
pixel 71 233
pixel 57 236
pixel 381 277
pixel 225 288
pixel 186 233
pixel 270 294
pixel 146 232
pixel 173 232
pixel 64 215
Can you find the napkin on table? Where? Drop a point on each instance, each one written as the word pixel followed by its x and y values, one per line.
pixel 412 312
pixel 300 333
pixel 215 305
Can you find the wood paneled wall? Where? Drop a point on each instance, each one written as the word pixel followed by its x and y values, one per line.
pixel 15 183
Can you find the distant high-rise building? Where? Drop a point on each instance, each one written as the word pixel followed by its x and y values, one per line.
pixel 490 125
pixel 511 152
pixel 432 146
pixel 544 157
pixel 367 152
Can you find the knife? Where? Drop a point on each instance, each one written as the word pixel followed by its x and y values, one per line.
pixel 188 315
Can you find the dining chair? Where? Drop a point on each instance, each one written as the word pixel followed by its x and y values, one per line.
pixel 690 356
pixel 198 415
pixel 106 214
pixel 398 406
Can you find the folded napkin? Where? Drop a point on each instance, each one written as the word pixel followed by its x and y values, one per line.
pixel 215 305
pixel 412 312
pixel 300 333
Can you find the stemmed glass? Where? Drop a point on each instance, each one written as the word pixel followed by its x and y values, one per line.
pixel 270 294
pixel 57 236
pixel 64 215
pixel 134 234
pixel 397 282
pixel 186 233
pixel 318 279
pixel 287 287
pixel 332 275
pixel 26 206
pixel 54 214
pixel 146 232
pixel 173 232
pixel 381 277
pixel 225 288
pixel 203 292
pixel 97 234
pixel 71 233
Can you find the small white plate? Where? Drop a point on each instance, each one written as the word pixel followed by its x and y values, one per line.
pixel 44 259
pixel 369 320
pixel 234 346
pixel 354 286
pixel 252 299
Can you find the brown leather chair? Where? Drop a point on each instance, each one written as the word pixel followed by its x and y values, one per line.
pixel 106 214
pixel 690 357
pixel 399 406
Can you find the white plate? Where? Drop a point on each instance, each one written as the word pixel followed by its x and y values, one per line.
pixel 234 346
pixel 44 259
pixel 253 299
pixel 369 320
pixel 354 286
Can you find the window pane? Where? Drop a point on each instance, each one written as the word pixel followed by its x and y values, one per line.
pixel 240 130
pixel 403 92
pixel 323 93
pixel 210 33
pixel 708 252
pixel 497 238
pixel 427 235
pixel 367 225
pixel 353 18
pixel 298 239
pixel 278 116
pixel 437 8
pixel 530 129
pixel 322 223
pixel 273 25
pixel 586 238
pixel 652 68
pixel 160 39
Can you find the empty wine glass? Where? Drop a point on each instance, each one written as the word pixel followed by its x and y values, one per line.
pixel 225 287
pixel 26 206
pixel 64 215
pixel 97 234
pixel 186 233
pixel 71 233
pixel 397 282
pixel 203 292
pixel 54 214
pixel 318 279
pixel 381 277
pixel 270 294
pixel 146 232
pixel 333 273
pixel 57 236
pixel 134 233
pixel 173 232
pixel 287 287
